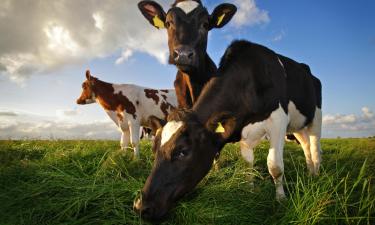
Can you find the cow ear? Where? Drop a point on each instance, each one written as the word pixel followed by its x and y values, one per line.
pixel 223 124
pixel 88 75
pixel 153 12
pixel 221 15
pixel 155 124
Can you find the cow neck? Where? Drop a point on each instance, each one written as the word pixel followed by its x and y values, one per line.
pixel 198 78
pixel 104 93
pixel 110 101
pixel 209 103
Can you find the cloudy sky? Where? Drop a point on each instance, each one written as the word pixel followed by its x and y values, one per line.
pixel 46 46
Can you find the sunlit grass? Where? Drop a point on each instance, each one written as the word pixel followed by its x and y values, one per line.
pixel 93 182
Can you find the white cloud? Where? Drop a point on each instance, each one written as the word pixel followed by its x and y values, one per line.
pixel 124 56
pixel 43 36
pixel 46 35
pixel 279 36
pixel 367 113
pixel 249 14
pixel 350 124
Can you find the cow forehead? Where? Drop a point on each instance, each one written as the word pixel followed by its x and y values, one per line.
pixel 187 6
pixel 169 130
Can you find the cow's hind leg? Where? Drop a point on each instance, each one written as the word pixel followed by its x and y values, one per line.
pixel 304 139
pixel 315 133
pixel 251 136
pixel 276 128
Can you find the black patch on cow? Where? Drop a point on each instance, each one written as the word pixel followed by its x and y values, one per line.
pixel 304 90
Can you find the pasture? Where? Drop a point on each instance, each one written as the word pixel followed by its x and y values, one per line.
pixel 92 182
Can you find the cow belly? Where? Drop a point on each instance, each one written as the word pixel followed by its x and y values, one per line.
pixel 296 119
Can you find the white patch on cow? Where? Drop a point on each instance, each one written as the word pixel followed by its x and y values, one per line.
pixel 275 128
pixel 169 130
pixel 296 119
pixel 187 6
pixel 91 100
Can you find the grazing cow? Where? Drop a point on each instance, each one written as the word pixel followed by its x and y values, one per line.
pixel 187 23
pixel 129 106
pixel 252 97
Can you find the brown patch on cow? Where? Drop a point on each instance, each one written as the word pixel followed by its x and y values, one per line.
pixel 137 102
pixel 165 107
pixel 164 97
pixel 110 101
pixel 165 91
pixel 150 93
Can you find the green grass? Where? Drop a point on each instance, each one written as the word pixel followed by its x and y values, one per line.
pixel 91 182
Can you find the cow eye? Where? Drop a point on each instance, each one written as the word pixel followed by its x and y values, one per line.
pixel 180 154
pixel 168 23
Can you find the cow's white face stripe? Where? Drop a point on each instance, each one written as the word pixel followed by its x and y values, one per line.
pixel 187 6
pixel 169 130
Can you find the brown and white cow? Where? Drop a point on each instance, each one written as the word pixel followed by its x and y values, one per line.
pixel 187 23
pixel 128 105
pixel 253 96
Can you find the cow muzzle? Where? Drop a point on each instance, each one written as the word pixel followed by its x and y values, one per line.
pixel 184 56
pixel 149 211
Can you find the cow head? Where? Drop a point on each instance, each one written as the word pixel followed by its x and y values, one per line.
pixel 184 151
pixel 87 95
pixel 187 23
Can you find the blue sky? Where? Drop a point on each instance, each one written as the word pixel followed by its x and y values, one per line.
pixel 42 72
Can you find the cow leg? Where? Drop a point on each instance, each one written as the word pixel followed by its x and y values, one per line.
pixel 125 138
pixel 134 137
pixel 276 128
pixel 303 138
pixel 315 133
pixel 251 136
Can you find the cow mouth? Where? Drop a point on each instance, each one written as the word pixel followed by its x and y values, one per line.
pixel 81 102
pixel 186 67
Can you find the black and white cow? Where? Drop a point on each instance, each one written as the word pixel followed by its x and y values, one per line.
pixel 187 23
pixel 252 97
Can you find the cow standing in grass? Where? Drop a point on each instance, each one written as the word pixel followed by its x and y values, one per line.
pixel 252 97
pixel 129 106
pixel 187 23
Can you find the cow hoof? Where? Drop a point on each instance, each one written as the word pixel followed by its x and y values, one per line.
pixel 280 197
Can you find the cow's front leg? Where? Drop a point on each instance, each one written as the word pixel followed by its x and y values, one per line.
pixel 251 136
pixel 276 128
pixel 134 127
pixel 125 138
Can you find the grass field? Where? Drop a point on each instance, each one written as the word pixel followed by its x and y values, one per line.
pixel 91 182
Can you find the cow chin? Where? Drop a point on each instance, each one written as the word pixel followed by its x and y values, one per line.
pixel 187 68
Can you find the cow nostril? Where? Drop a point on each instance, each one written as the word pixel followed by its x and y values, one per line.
pixel 190 55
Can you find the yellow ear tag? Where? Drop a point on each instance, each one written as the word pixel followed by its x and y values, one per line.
pixel 220 19
pixel 220 129
pixel 158 22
